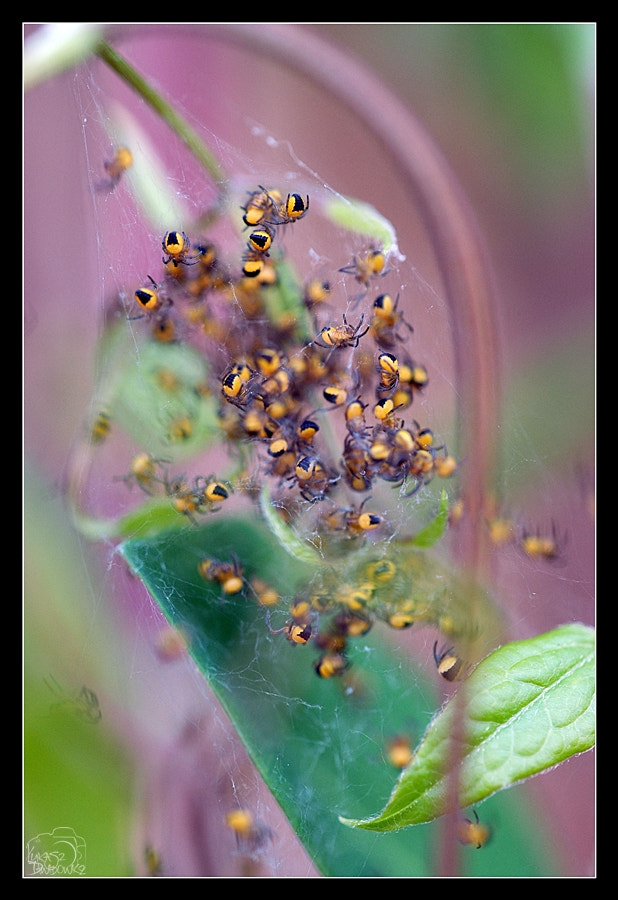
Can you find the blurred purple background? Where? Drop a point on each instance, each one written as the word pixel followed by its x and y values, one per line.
pixel 513 110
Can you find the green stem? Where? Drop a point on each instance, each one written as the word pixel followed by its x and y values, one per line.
pixel 176 122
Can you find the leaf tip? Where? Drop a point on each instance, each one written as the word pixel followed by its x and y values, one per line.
pixel 351 823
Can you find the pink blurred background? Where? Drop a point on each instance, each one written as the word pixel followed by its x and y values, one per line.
pixel 512 109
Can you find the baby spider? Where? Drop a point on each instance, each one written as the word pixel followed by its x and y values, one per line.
pixel 238 385
pixel 298 628
pixel 203 496
pixel 399 751
pixel 250 834
pixel 116 167
pixel 293 209
pixel 351 520
pixel 177 246
pixel 84 704
pixel 388 370
pixel 259 205
pixel 367 266
pixel 312 478
pixel 331 665
pixel 144 473
pixel 100 427
pixel 345 335
pixel 260 240
pixel 228 574
pixel 151 300
pixel 341 389
pixel 253 264
pixel 387 323
pixel 316 292
pixel 549 547
pixel 473 833
pixel 450 666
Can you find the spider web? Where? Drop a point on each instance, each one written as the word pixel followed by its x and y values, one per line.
pixel 193 767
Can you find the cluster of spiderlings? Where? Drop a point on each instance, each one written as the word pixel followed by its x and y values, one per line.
pixel 337 610
pixel 344 604
pixel 277 388
pixel 312 402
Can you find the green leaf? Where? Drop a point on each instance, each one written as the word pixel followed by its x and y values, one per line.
pixel 318 743
pixel 298 548
pixel 361 218
pixel 154 392
pixel 284 303
pixel 528 706
pixel 149 387
pixel 431 534
pixel 75 773
pixel 154 515
pixel 77 770
pixel 159 401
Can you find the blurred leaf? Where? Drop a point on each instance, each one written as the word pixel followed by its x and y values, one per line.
pixel 431 533
pixel 550 391
pixel 299 549
pixel 155 392
pixel 361 218
pixel 75 771
pixel 160 402
pixel 156 514
pixel 284 303
pixel 320 744
pixel 528 706
pixel 57 46
pixel 148 178
pixel 534 76
pixel 75 775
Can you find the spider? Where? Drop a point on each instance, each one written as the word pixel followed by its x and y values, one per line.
pixel 345 335
pixel 474 834
pixel 177 247
pixel 228 574
pixel 450 666
pixel 365 267
pixel 292 210
pixel 116 167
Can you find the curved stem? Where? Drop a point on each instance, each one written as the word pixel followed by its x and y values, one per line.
pixel 461 257
pixel 456 242
pixel 448 216
pixel 451 226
